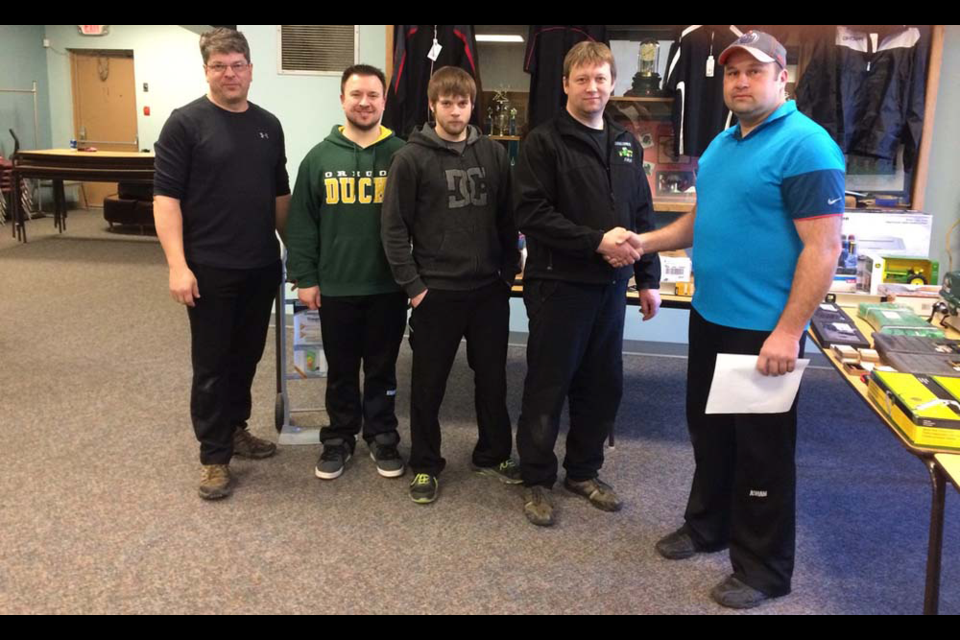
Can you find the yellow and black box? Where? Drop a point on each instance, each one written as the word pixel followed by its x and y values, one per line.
pixel 925 409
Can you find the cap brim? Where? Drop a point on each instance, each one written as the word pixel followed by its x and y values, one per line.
pixel 756 53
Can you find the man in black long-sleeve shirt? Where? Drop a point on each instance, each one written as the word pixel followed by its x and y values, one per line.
pixel 581 196
pixel 221 191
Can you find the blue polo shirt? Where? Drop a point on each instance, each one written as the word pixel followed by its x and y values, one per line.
pixel 749 193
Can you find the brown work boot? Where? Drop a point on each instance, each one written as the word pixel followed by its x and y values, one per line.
pixel 247 445
pixel 537 506
pixel 215 481
pixel 599 493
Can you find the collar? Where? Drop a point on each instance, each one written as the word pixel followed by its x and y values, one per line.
pixel 788 108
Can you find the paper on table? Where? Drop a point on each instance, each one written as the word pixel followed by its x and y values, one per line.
pixel 739 388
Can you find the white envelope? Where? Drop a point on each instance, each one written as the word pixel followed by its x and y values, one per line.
pixel 739 388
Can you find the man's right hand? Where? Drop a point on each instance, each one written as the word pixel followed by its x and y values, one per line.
pixel 310 296
pixel 183 286
pixel 416 300
pixel 620 248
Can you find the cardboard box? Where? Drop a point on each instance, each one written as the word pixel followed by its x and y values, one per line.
pixel 306 327
pixel 869 273
pixel 920 298
pixel 904 233
pixel 675 269
pixel 310 362
pixel 924 409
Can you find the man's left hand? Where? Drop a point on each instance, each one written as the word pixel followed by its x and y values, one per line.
pixel 649 303
pixel 779 354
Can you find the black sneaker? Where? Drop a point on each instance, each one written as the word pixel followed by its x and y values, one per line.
pixel 734 594
pixel 389 462
pixel 335 455
pixel 423 489
pixel 507 472
pixel 680 545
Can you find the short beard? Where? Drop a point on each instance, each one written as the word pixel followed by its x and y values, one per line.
pixel 453 133
pixel 361 126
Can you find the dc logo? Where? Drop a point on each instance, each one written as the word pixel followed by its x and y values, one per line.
pixel 264 136
pixel 749 38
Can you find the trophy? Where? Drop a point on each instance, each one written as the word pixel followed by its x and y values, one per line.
pixel 501 120
pixel 646 82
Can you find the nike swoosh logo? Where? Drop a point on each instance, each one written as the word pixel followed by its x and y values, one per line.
pixel 834 201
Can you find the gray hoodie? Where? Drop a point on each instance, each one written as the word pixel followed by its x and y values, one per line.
pixel 456 211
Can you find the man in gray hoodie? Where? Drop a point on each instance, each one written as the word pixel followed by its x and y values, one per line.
pixel 449 196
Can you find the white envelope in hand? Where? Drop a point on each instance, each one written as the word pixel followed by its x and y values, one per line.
pixel 739 388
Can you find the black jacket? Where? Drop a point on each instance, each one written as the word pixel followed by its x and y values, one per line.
pixel 456 209
pixel 869 97
pixel 567 196
pixel 547 45
pixel 407 108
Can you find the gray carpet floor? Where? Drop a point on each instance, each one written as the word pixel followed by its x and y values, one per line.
pixel 99 512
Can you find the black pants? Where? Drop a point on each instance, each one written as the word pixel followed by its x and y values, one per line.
pixel 228 329
pixel 367 330
pixel 575 351
pixel 744 486
pixel 437 325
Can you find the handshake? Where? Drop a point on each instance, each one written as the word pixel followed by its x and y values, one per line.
pixel 620 248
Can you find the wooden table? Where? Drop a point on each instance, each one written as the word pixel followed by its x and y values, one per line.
pixel 69 164
pixel 936 464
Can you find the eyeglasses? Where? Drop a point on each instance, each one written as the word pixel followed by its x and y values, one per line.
pixel 220 69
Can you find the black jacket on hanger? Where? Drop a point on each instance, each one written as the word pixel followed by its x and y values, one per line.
pixel 407 105
pixel 547 46
pixel 868 89
pixel 699 113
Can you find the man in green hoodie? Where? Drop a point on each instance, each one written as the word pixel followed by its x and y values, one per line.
pixel 337 261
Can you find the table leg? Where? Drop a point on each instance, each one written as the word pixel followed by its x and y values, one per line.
pixel 931 598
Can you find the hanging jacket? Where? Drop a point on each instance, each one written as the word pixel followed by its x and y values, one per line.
pixel 699 112
pixel 547 46
pixel 407 105
pixel 868 90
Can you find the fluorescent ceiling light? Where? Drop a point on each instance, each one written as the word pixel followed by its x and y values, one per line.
pixel 495 38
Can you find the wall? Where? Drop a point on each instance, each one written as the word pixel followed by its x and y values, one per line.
pixel 308 106
pixel 22 62
pixel 943 188
pixel 166 57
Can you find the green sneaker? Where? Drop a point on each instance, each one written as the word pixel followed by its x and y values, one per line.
pixel 423 489
pixel 507 472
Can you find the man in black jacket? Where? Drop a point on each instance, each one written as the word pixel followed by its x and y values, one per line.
pixel 581 196
pixel 449 194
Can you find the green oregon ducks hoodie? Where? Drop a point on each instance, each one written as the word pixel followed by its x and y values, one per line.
pixel 333 229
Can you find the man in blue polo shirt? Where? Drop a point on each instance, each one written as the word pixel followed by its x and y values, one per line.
pixel 766 238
